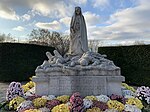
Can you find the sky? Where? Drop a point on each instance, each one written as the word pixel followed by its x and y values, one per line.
pixel 110 21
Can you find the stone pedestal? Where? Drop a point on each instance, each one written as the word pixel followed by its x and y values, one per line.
pixel 88 80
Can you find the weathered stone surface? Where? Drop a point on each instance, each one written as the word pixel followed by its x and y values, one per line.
pixel 88 80
pixel 86 85
pixel 78 34
pixel 86 59
pixel 79 70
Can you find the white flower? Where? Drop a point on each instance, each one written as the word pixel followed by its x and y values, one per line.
pixel 44 109
pixel 68 104
pixel 87 103
pixel 49 97
pixel 148 100
pixel 128 93
pixel 103 98
pixel 30 92
pixel 45 97
pixel 131 108
pixel 24 105
pixel 128 96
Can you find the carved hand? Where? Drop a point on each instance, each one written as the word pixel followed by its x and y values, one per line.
pixel 72 30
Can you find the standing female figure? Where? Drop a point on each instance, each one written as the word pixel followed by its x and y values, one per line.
pixel 78 34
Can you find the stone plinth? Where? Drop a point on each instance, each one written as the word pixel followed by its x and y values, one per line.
pixel 89 80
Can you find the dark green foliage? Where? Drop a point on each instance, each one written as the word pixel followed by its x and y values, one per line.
pixel 19 61
pixel 134 62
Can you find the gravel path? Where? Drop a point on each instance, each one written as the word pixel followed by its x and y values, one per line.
pixel 3 89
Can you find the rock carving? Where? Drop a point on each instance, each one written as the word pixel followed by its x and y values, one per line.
pixel 78 52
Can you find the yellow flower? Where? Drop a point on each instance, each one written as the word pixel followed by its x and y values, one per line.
pixel 61 108
pixel 32 110
pixel 135 101
pixel 30 78
pixel 128 87
pixel 91 97
pixel 25 88
pixel 63 98
pixel 114 104
pixel 14 103
pixel 28 86
pixel 39 102
pixel 94 109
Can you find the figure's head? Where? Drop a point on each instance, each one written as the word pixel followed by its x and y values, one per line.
pixel 77 10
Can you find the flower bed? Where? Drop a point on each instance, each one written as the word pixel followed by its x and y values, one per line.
pixel 23 99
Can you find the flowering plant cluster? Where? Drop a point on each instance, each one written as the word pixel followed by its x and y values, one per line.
pixel 63 98
pixel 102 106
pixel 25 105
pixel 118 98
pixel 32 110
pixel 75 103
pixel 91 97
pixel 143 93
pixel 14 90
pixel 28 86
pixel 15 102
pixel 61 108
pixel 135 101
pixel 52 103
pixel 94 109
pixel 103 98
pixel 128 87
pixel 39 102
pixel 114 104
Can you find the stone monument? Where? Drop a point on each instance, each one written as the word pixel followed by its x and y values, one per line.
pixel 81 71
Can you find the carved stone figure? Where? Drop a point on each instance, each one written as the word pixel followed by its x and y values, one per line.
pixel 78 52
pixel 56 59
pixel 80 70
pixel 78 34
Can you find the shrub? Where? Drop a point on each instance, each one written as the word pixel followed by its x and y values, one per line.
pixel 133 61
pixel 19 61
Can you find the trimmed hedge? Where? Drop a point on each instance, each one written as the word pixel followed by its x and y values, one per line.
pixel 19 61
pixel 134 62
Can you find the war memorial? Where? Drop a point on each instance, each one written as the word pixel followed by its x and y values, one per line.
pixel 80 70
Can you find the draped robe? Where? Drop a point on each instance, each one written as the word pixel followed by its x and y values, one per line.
pixel 78 35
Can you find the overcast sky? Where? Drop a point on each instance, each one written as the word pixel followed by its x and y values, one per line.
pixel 121 21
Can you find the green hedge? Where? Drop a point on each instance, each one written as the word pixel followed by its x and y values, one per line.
pixel 134 62
pixel 19 61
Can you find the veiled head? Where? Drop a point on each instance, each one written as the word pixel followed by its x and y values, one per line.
pixel 77 10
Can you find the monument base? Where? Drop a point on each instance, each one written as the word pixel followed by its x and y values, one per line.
pixel 86 82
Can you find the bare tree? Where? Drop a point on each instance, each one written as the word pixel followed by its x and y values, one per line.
pixel 39 36
pixel 60 42
pixel 6 38
pixel 54 39
pixel 94 44
pixel 138 42
pixel 2 37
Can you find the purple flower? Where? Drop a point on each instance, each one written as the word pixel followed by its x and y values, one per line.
pixel 76 103
pixel 143 93
pixel 52 103
pixel 14 90
pixel 118 98
pixel 101 105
